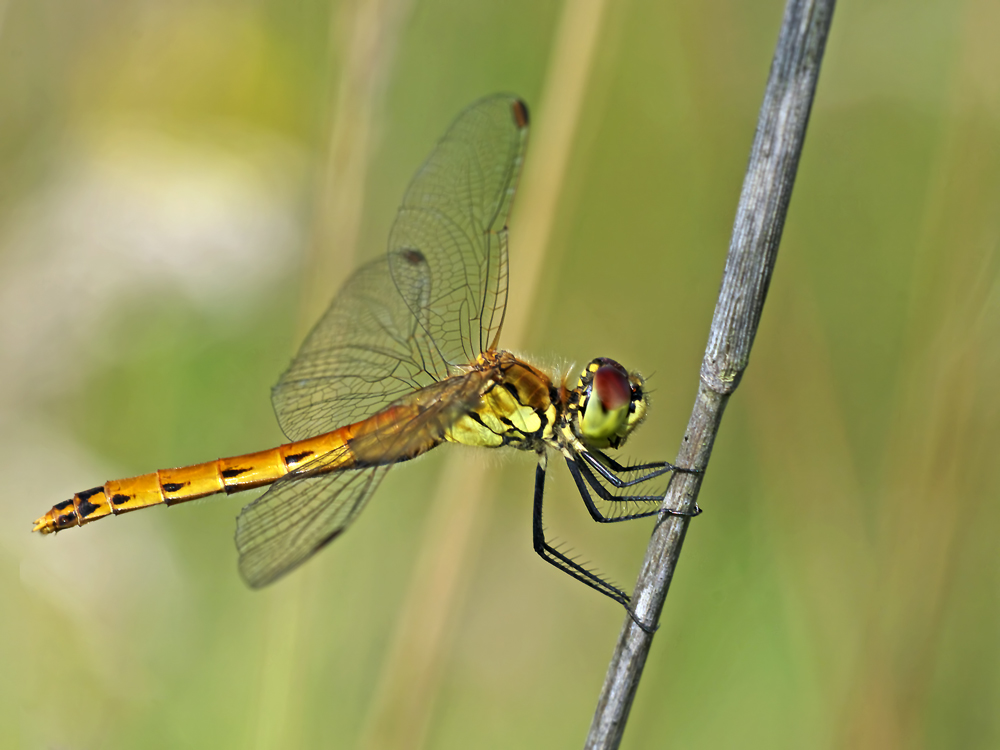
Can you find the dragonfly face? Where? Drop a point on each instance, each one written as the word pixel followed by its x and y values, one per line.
pixel 610 404
pixel 407 358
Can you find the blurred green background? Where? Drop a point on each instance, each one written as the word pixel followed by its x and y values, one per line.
pixel 164 244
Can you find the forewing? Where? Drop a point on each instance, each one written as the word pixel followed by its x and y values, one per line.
pixel 455 213
pixel 435 300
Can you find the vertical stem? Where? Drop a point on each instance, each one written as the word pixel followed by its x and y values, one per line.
pixel 753 249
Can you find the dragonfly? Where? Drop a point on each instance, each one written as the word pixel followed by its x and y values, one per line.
pixel 406 358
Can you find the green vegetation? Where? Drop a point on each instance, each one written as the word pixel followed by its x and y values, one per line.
pixel 842 588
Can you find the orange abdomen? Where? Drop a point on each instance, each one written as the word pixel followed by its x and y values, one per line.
pixel 172 486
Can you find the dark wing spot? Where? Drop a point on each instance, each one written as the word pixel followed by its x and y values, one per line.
pixel 120 499
pixel 87 494
pixel 86 508
pixel 329 539
pixel 520 111
pixel 230 473
pixel 63 505
pixel 413 256
pixel 295 458
pixel 174 486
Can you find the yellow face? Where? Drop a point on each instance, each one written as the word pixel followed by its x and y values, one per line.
pixel 612 403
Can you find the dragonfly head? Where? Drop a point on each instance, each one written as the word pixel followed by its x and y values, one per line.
pixel 610 403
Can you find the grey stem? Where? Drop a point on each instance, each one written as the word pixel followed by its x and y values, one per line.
pixel 753 249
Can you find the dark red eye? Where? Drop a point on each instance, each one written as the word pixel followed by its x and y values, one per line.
pixel 612 387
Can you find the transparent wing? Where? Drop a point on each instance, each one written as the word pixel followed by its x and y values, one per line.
pixel 297 517
pixel 455 212
pixel 309 507
pixel 435 300
pixel 364 353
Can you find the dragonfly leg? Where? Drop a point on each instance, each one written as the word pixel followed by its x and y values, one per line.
pixel 607 467
pixel 646 627
pixel 566 564
pixel 584 476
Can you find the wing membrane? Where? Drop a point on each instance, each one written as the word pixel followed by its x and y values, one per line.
pixel 455 212
pixel 297 517
pixel 363 354
pixel 436 299
pixel 309 507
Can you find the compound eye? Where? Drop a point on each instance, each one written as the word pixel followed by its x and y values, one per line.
pixel 605 417
pixel 611 387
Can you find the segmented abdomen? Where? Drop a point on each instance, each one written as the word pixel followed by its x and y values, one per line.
pixel 171 486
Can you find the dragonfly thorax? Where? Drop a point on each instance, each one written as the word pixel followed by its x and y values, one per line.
pixel 517 406
pixel 607 403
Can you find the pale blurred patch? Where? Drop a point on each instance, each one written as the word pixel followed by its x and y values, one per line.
pixel 130 216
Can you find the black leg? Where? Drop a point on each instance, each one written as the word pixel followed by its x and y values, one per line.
pixel 607 471
pixel 566 564
pixel 583 476
pixel 604 465
pixel 615 466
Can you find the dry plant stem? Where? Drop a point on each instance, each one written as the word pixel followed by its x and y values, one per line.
pixel 753 250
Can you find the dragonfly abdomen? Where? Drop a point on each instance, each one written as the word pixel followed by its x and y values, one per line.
pixel 172 486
